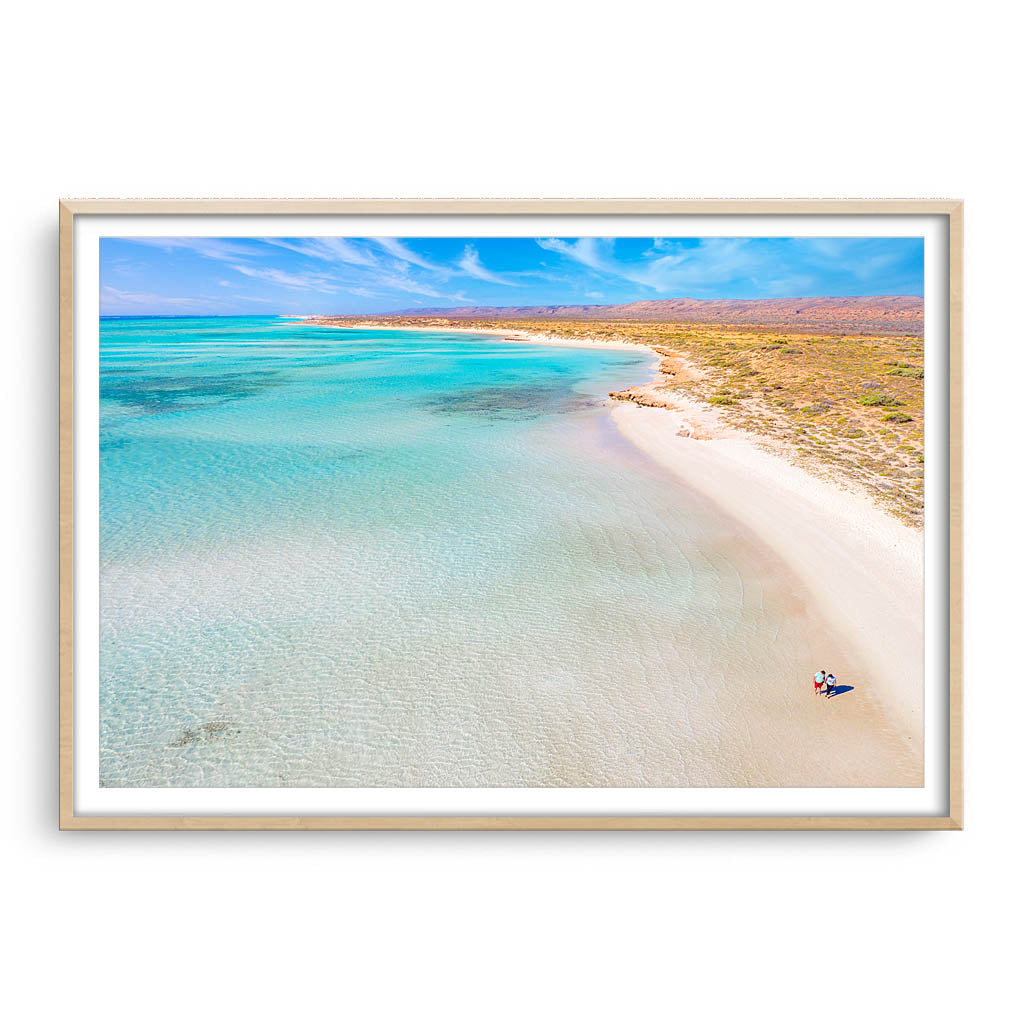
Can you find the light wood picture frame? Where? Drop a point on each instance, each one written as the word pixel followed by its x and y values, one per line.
pixel 74 212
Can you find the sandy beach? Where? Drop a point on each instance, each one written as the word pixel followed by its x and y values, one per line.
pixel 527 337
pixel 854 567
pixel 861 567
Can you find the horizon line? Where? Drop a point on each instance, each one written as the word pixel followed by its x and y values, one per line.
pixel 411 311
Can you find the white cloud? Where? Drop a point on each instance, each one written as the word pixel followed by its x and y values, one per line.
pixel 330 250
pixel 469 263
pixel 385 275
pixel 670 267
pixel 211 248
pixel 862 258
pixel 584 250
pixel 303 281
pixel 829 248
pixel 356 267
pixel 397 248
pixel 400 282
pixel 116 297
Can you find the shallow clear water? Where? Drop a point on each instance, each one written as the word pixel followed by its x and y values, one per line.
pixel 371 558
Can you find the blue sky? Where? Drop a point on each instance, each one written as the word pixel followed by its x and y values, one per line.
pixel 208 276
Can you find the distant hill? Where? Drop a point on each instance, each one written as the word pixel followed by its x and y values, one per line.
pixel 901 314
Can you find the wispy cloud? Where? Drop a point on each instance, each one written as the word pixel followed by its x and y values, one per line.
pixel 387 274
pixel 111 297
pixel 469 263
pixel 301 282
pixel 400 282
pixel 397 248
pixel 331 250
pixel 667 266
pixel 712 261
pixel 863 258
pixel 328 274
pixel 583 250
pixel 212 248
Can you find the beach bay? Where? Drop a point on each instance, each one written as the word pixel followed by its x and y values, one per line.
pixel 376 557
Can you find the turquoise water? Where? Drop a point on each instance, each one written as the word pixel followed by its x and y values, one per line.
pixel 376 558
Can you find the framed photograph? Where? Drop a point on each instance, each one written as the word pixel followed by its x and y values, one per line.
pixel 510 514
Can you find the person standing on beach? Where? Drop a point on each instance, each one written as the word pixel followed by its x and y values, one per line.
pixel 819 680
pixel 830 685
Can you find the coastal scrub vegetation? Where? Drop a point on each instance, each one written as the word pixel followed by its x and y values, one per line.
pixel 849 406
pixel 877 399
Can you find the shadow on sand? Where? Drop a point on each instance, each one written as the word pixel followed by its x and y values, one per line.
pixel 839 690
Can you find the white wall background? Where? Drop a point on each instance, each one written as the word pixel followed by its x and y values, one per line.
pixel 531 99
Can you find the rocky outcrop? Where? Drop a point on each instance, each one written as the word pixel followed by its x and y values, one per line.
pixel 640 395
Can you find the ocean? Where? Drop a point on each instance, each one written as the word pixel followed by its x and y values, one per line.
pixel 387 558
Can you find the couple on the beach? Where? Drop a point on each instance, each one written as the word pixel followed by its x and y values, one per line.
pixel 828 681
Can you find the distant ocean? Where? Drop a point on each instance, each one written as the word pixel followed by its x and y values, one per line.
pixel 386 558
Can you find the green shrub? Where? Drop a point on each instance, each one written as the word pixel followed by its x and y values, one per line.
pixel 914 372
pixel 823 405
pixel 879 399
pixel 896 417
pixel 721 400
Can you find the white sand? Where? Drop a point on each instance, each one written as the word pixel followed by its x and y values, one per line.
pixel 526 337
pixel 861 567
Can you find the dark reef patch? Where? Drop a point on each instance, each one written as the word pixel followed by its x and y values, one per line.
pixel 152 395
pixel 205 733
pixel 511 403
